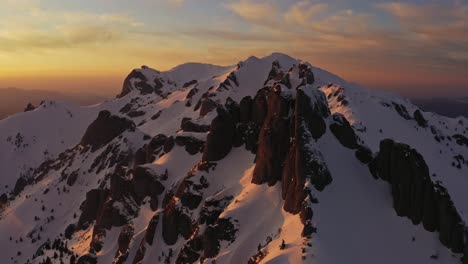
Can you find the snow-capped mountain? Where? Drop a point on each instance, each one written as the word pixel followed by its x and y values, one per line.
pixel 271 160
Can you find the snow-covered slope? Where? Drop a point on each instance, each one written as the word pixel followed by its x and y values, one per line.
pixel 271 160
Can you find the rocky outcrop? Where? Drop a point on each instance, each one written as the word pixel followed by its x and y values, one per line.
pixel 260 106
pixel 192 145
pixel 245 109
pixel 147 183
pixel 95 200
pixel 104 129
pixel 273 141
pixel 416 196
pixel 188 125
pixel 155 147
pixel 20 184
pixel 136 80
pixel 364 154
pixel 207 106
pixel 29 107
pixel 401 110
pixel 343 131
pixel 220 138
pixel 312 108
pixel 174 223
pixel 418 116
pixel 461 140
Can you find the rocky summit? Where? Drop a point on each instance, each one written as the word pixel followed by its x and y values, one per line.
pixel 272 160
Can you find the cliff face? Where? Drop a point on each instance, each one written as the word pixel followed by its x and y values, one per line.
pixel 268 160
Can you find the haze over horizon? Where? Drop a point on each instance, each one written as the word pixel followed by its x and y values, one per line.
pixel 413 47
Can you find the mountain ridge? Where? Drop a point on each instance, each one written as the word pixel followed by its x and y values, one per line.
pixel 270 160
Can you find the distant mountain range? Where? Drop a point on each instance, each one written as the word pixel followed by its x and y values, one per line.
pixel 444 106
pixel 14 100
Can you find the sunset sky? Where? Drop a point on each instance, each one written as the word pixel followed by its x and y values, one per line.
pixel 408 46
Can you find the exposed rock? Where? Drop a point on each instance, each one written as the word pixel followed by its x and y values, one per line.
pixel 418 116
pixel 312 108
pixel 188 125
pixel 147 183
pixel 260 106
pixel 20 184
pixel 187 84
pixel 223 230
pixel 192 145
pixel 87 259
pixel 69 231
pixel 169 144
pixel 136 80
pixel 207 106
pixel 104 129
pixel 29 107
pixel 124 240
pixel 95 200
pixel 233 108
pixel 72 178
pixel 3 200
pixel 416 196
pixel 139 158
pixel 219 140
pixel 151 229
pixel 364 154
pixel 245 109
pixel 401 110
pixel 461 140
pixel 343 131
pixel 155 147
pixel 175 223
pixel 273 140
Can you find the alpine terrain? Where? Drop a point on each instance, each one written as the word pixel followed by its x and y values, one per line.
pixel 271 160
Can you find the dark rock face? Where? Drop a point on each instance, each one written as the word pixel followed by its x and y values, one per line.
pixel 29 107
pixel 87 259
pixel 151 230
pixel 245 112
pixel 147 183
pixel 72 178
pixel 233 108
pixel 188 125
pixel 364 154
pixel 125 237
pixel 136 80
pixel 207 106
pixel 343 131
pixel 155 147
pixel 260 106
pixel 418 116
pixel 169 144
pixel 104 129
pixel 415 195
pixel 187 84
pixel 175 223
pixel 312 110
pixel 219 140
pixel 3 200
pixel 192 145
pixel 461 140
pixel 90 208
pixel 401 110
pixel 20 184
pixel 223 230
pixel 273 140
